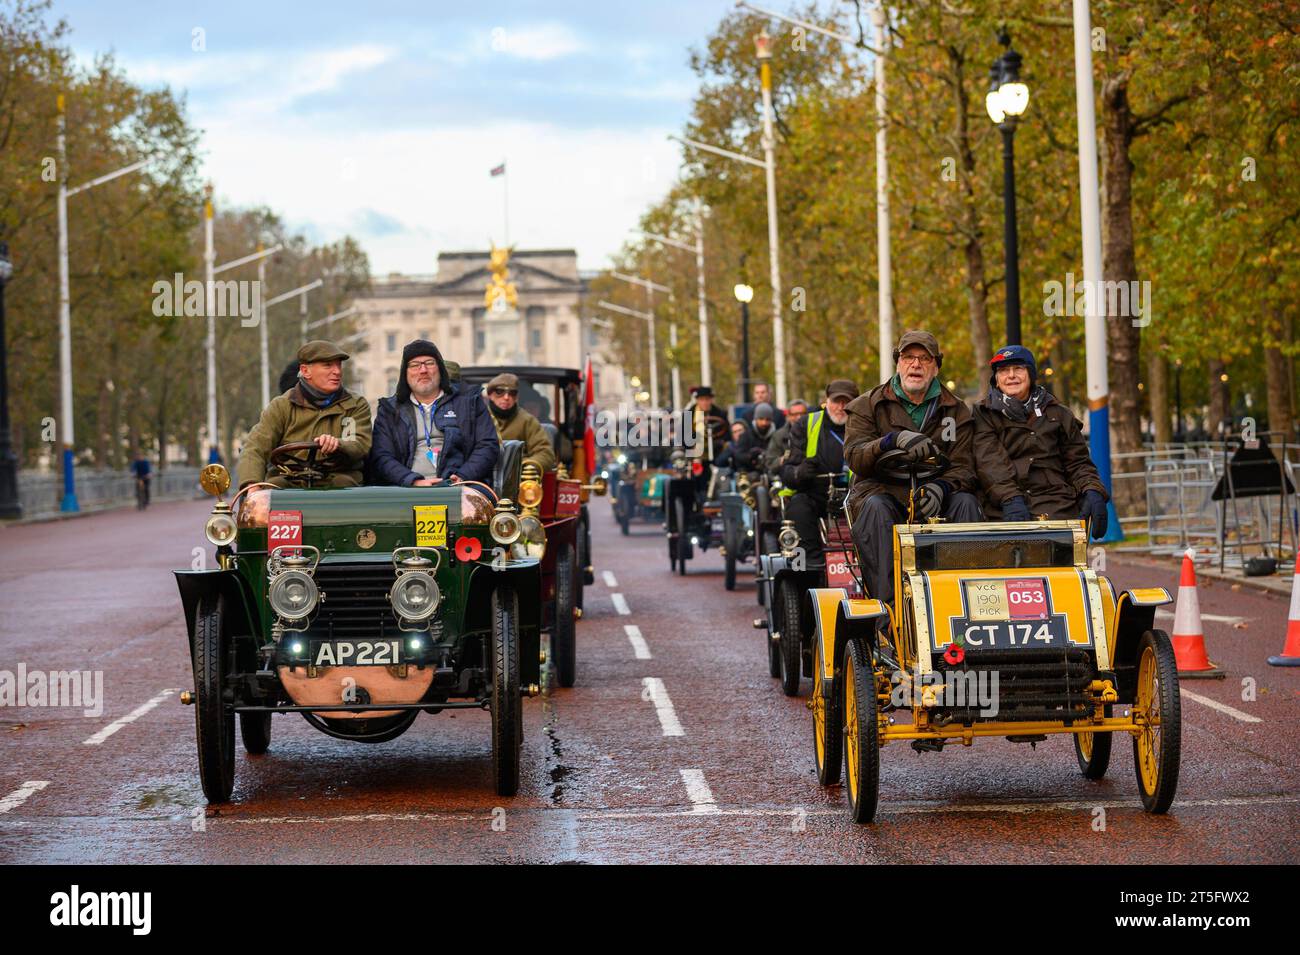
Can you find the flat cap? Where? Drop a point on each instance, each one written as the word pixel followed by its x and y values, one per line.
pixel 919 337
pixel 504 380
pixel 842 387
pixel 321 350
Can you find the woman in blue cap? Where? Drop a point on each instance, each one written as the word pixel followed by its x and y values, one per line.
pixel 1030 451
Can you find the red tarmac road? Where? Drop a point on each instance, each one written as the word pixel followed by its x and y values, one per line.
pixel 602 780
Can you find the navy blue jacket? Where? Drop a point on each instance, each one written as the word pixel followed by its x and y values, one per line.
pixel 470 446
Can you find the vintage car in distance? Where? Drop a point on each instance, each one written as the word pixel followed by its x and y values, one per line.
pixel 639 480
pixel 559 499
pixel 361 608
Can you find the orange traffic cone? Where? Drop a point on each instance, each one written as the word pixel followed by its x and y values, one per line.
pixel 1189 636
pixel 1291 651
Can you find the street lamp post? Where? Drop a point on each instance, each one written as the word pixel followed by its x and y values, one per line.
pixel 649 319
pixel 763 49
pixel 706 371
pixel 1006 102
pixel 744 294
pixel 650 289
pixel 10 503
pixel 266 304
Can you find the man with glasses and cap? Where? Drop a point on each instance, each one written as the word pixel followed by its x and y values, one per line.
pixel 514 423
pixel 316 409
pixel 913 413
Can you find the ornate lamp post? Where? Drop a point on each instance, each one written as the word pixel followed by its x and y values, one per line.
pixel 744 295
pixel 1006 102
pixel 10 506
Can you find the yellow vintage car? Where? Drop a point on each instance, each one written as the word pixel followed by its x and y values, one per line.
pixel 995 629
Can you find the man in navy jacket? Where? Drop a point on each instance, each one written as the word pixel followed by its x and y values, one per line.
pixel 432 430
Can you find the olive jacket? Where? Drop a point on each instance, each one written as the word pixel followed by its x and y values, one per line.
pixel 290 418
pixel 947 422
pixel 521 425
pixel 1044 459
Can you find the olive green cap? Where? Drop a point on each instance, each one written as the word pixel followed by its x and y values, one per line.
pixel 320 350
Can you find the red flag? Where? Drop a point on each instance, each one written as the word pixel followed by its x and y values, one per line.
pixel 589 415
pixel 499 170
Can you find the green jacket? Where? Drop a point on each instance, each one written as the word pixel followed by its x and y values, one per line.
pixel 290 418
pixel 524 426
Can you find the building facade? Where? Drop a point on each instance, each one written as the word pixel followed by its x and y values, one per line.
pixel 545 325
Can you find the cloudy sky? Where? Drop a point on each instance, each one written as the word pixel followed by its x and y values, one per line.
pixel 383 118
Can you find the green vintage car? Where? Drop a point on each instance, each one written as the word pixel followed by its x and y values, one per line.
pixel 360 608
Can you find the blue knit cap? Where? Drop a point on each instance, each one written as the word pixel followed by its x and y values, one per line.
pixel 1013 355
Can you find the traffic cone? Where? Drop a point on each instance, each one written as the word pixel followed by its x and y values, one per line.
pixel 1291 651
pixel 1189 636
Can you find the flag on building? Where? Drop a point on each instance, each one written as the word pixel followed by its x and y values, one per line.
pixel 589 416
pixel 499 170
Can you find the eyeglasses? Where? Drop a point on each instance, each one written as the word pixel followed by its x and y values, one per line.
pixel 504 391
pixel 423 365
pixel 922 360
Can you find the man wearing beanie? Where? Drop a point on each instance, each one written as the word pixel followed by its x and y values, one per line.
pixel 316 408
pixel 431 430
pixel 1030 452
pixel 514 423
pixel 911 412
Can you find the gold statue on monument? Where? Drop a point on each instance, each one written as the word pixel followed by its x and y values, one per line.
pixel 500 288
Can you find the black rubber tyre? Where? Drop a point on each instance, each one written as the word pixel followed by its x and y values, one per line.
pixel 564 629
pixel 255 731
pixel 732 539
pixel 214 720
pixel 507 703
pixel 787 614
pixel 828 724
pixel 1162 759
pixel 584 560
pixel 683 536
pixel 767 545
pixel 626 505
pixel 1092 751
pixel 861 733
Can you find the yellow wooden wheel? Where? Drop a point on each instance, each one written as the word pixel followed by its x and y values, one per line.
pixel 861 732
pixel 1157 708
pixel 1092 751
pixel 827 738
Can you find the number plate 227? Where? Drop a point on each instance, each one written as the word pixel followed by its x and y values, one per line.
pixel 431 525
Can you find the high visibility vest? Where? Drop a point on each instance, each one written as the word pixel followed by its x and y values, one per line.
pixel 810 445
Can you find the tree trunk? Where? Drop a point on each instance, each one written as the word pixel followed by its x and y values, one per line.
pixel 103 415
pixel 1218 401
pixel 1119 265
pixel 1279 393
pixel 1158 396
pixel 976 284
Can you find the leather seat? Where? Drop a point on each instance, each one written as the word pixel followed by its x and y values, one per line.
pixel 505 477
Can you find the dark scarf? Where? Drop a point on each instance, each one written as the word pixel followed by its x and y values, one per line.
pixel 319 399
pixel 1015 409
pixel 503 415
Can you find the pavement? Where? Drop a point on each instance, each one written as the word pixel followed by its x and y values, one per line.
pixel 674 746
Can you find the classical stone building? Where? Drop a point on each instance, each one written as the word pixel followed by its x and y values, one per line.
pixel 547 325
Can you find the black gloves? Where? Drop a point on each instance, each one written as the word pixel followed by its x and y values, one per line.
pixel 929 499
pixel 918 446
pixel 1094 512
pixel 807 471
pixel 1015 509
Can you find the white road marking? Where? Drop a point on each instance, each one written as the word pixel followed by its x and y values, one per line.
pixel 653 690
pixel 886 808
pixel 1221 707
pixel 620 604
pixel 131 717
pixel 698 790
pixel 22 794
pixel 1211 617
pixel 639 645
pixel 610 580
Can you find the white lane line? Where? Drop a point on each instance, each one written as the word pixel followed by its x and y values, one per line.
pixel 638 642
pixel 1221 707
pixel 1211 617
pixel 653 691
pixel 698 790
pixel 131 717
pixel 620 604
pixel 610 580
pixel 21 794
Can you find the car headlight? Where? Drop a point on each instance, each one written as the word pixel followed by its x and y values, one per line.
pixel 504 527
pixel 788 538
pixel 220 529
pixel 533 534
pixel 530 493
pixel 293 594
pixel 415 596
